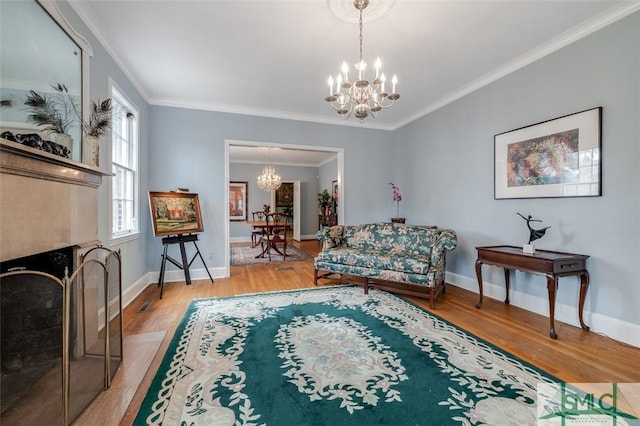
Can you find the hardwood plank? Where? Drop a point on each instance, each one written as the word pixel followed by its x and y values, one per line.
pixel 108 407
pixel 577 356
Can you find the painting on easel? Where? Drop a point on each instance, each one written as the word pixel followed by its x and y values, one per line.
pixel 175 213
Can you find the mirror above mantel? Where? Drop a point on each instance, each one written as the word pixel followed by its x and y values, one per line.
pixel 39 51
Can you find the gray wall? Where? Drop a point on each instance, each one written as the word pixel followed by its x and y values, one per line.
pixel 102 68
pixel 447 169
pixel 443 164
pixel 188 149
pixel 327 173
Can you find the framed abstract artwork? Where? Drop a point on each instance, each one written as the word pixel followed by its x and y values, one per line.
pixel 555 158
pixel 175 213
pixel 238 196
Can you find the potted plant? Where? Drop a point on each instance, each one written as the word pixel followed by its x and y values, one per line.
pixel 397 197
pixel 97 124
pixel 56 113
pixel 323 201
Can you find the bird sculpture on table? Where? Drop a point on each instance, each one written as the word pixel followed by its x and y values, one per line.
pixel 534 234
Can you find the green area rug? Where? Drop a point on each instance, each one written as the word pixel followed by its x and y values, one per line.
pixel 333 356
pixel 244 254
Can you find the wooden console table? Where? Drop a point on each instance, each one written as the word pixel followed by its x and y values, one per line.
pixel 552 264
pixel 330 220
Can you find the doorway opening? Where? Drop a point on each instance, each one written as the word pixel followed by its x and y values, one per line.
pixel 240 152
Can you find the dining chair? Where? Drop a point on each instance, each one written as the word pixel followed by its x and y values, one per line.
pixel 257 232
pixel 279 233
pixel 275 238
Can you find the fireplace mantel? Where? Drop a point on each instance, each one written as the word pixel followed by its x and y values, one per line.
pixel 22 160
pixel 48 202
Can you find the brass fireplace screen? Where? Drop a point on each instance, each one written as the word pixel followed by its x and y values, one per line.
pixel 61 338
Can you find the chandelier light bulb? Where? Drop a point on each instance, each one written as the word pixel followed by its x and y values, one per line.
pixel 361 97
pixel 361 66
pixel 345 71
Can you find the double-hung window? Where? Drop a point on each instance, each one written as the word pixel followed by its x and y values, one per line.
pixel 124 165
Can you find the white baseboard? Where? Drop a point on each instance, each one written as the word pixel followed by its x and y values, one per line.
pixel 239 239
pixel 612 327
pixel 174 275
pixel 128 296
pixel 134 290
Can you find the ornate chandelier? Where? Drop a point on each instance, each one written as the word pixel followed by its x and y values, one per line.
pixel 269 180
pixel 360 98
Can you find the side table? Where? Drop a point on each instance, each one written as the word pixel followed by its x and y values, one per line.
pixel 552 264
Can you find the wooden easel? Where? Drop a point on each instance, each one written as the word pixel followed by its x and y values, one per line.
pixel 184 265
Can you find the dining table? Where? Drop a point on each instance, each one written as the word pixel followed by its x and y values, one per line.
pixel 268 227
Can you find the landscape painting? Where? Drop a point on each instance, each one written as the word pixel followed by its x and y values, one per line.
pixel 174 213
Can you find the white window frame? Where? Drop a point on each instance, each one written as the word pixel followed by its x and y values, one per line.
pixel 134 232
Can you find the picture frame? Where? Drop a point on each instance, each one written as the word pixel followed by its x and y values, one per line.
pixel 175 213
pixel 284 195
pixel 238 199
pixel 334 191
pixel 560 157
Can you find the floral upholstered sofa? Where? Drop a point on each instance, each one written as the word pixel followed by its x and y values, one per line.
pixel 394 257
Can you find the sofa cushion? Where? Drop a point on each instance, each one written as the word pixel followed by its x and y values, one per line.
pixel 375 259
pixel 390 238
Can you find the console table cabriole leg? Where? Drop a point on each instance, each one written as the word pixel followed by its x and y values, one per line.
pixel 479 275
pixel 506 283
pixel 584 286
pixel 552 286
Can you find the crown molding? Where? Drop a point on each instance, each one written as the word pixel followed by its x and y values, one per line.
pixel 90 19
pixel 285 115
pixel 608 17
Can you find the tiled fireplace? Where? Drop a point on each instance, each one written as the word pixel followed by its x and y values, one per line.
pixel 49 224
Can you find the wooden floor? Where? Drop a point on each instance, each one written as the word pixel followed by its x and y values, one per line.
pixel 577 356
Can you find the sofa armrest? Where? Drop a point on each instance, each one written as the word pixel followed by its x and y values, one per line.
pixel 330 237
pixel 447 240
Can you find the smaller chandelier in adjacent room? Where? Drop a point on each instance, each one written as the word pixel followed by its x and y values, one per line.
pixel 269 180
pixel 360 98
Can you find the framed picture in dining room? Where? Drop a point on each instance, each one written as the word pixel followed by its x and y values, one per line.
pixel 334 191
pixel 238 197
pixel 555 158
